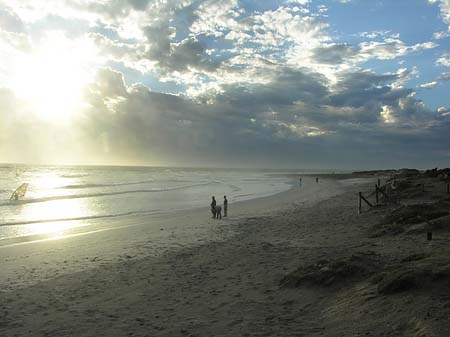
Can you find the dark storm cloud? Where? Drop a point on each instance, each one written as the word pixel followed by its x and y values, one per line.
pixel 363 80
pixel 148 125
pixel 189 53
pixel 169 52
pixel 283 119
pixel 368 92
pixel 110 83
pixel 389 48
pixel 292 119
pixel 287 86
pixel 181 56
pixel 139 5
pixel 335 54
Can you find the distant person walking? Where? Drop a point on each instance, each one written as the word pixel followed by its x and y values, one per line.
pixel 300 182
pixel 213 206
pixel 225 205
pixel 317 180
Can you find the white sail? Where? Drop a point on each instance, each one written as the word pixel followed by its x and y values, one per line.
pixel 19 192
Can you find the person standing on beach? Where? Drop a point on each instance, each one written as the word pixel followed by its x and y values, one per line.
pixel 225 205
pixel 317 180
pixel 300 182
pixel 213 206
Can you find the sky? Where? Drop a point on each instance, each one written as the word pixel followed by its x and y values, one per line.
pixel 337 84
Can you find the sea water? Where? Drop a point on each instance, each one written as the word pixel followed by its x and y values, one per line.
pixel 64 197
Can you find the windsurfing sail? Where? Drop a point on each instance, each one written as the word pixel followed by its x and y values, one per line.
pixel 19 192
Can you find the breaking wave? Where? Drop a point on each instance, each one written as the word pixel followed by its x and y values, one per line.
pixel 102 216
pixel 101 194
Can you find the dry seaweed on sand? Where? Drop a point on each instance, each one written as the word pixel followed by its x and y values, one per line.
pixel 415 275
pixel 418 213
pixel 438 224
pixel 331 272
pixel 404 218
pixel 403 188
pixel 415 271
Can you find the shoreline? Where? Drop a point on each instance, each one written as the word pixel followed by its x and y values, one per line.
pixel 77 223
pixel 97 222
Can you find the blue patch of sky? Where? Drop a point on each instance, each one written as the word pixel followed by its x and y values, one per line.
pixel 414 20
pixel 210 42
pixel 436 97
pixel 384 66
pixel 260 6
pixel 182 21
pixel 223 44
pixel 150 80
pixel 110 33
pixel 423 60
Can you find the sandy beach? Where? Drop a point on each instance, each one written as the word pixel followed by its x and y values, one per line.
pixel 294 264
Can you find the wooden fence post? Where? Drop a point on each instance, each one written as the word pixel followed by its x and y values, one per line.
pixel 359 203
pixel 376 192
pixel 448 188
pixel 366 201
pixel 379 182
pixel 384 194
pixel 423 187
pixel 361 197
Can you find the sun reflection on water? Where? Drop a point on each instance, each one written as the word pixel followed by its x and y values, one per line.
pixel 58 215
pixel 54 210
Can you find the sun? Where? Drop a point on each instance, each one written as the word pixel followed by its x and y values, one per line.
pixel 51 78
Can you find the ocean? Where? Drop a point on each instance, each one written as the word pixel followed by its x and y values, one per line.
pixel 65 197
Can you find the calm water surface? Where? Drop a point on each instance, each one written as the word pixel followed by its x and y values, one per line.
pixel 60 198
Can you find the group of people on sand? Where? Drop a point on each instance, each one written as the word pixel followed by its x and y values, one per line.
pixel 216 210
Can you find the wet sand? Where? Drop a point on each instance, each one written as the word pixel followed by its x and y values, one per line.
pixel 294 265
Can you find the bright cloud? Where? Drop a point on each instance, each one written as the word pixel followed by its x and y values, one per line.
pixel 429 85
pixel 443 61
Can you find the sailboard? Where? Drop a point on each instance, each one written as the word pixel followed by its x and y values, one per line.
pixel 19 192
